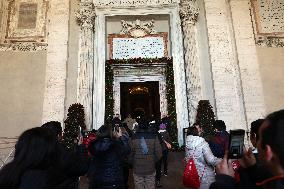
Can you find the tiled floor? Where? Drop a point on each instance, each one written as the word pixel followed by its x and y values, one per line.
pixel 172 181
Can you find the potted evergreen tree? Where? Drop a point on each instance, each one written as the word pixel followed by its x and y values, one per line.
pixel 205 118
pixel 74 121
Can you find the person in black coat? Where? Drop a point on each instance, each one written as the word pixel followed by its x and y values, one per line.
pixel 35 154
pixel 68 165
pixel 108 153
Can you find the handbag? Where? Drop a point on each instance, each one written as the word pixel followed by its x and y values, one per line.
pixel 190 175
pixel 191 178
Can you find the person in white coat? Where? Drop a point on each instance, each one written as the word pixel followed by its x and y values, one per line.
pixel 204 159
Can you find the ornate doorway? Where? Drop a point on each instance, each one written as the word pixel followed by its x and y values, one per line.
pixel 140 99
pixel 151 77
pixel 93 56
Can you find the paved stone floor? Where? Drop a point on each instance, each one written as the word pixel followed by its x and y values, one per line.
pixel 172 181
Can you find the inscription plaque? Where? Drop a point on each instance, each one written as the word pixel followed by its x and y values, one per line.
pixel 27 16
pixel 269 16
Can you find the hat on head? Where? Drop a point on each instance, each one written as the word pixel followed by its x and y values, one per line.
pixel 163 126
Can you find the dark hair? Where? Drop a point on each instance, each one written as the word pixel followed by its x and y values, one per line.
pixel 142 123
pixel 105 131
pixel 219 125
pixel 54 126
pixel 36 149
pixel 254 127
pixel 192 131
pixel 196 124
pixel 273 134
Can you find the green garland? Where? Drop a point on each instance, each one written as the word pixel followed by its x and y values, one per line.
pixel 171 101
pixel 141 61
pixel 108 93
pixel 205 118
pixel 75 119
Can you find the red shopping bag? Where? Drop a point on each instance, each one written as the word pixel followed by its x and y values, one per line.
pixel 190 175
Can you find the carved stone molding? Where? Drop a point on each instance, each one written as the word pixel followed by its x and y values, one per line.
pixel 189 11
pixel 270 42
pixel 86 15
pixel 132 3
pixel 138 28
pixel 23 46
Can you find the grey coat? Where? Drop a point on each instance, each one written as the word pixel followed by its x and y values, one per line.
pixel 204 160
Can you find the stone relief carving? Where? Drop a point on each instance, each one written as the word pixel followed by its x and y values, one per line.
pixel 188 11
pixel 138 28
pixel 270 42
pixel 131 3
pixel 86 15
pixel 23 46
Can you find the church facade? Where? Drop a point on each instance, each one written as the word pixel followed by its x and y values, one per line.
pixel 54 53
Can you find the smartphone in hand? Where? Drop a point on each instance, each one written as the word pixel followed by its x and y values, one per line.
pixel 236 143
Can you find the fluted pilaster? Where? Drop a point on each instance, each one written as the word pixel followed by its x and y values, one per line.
pixel 86 18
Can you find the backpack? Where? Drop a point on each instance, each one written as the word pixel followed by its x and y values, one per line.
pixel 190 175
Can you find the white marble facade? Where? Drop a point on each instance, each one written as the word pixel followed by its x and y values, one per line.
pixel 229 74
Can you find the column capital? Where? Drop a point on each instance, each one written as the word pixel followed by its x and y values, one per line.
pixel 86 14
pixel 188 11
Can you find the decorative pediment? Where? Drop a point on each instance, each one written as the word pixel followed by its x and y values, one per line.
pixel 138 28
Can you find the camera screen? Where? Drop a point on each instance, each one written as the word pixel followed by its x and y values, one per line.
pixel 236 146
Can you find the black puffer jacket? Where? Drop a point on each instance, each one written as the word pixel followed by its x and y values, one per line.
pixel 106 166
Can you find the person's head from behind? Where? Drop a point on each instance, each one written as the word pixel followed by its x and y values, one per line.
pixel 142 123
pixel 55 127
pixel 199 128
pixel 105 131
pixel 123 129
pixel 162 126
pixel 270 144
pixel 35 149
pixel 254 128
pixel 219 125
pixel 192 131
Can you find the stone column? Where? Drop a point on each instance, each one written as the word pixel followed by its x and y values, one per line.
pixel 246 54
pixel 57 54
pixel 230 104
pixel 86 18
pixel 188 15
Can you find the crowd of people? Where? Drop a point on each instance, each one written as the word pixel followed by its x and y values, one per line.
pixel 41 161
pixel 106 156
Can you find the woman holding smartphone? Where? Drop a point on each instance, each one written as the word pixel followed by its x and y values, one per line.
pixel 108 151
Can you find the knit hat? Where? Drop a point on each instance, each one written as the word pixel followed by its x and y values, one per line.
pixel 162 126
